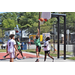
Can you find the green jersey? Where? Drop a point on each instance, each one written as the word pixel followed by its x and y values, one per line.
pixel 18 43
pixel 37 42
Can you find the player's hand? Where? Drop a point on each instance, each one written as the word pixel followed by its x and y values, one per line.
pixel 34 37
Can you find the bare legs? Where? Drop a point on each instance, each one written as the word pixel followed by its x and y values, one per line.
pixel 48 55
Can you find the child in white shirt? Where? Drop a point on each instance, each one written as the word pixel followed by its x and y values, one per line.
pixel 47 49
pixel 11 47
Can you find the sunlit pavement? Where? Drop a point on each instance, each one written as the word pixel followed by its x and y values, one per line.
pixel 31 57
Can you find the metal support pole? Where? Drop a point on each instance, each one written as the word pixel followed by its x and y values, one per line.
pixel 21 38
pixel 2 36
pixel 58 38
pixel 54 38
pixel 64 37
pixel 39 22
pixel 28 41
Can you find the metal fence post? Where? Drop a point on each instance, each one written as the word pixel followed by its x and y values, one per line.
pixel 58 38
pixel 64 37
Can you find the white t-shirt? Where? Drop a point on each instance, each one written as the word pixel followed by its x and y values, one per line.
pixel 46 43
pixel 10 45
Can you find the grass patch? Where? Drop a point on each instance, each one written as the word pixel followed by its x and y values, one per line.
pixel 2 50
pixel 30 50
pixel 52 53
pixel 71 58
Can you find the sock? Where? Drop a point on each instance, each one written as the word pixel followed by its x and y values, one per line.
pixel 38 58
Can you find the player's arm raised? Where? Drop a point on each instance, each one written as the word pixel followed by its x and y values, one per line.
pixel 38 34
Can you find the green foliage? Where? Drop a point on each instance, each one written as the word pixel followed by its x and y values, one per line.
pixel 70 21
pixel 0 33
pixel 30 20
pixel 9 20
pixel 8 23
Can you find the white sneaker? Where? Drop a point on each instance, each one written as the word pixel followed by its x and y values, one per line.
pixel 15 59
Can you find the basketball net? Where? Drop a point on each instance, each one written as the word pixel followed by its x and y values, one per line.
pixel 42 22
pixel 44 17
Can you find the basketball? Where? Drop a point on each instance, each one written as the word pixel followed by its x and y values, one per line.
pixel 41 19
pixel 55 49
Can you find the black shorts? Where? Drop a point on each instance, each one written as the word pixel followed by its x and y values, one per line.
pixel 19 50
pixel 47 51
pixel 38 49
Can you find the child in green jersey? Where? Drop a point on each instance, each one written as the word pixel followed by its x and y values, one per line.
pixel 19 47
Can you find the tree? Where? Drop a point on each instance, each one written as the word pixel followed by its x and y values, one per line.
pixel 9 20
pixel 70 21
pixel 29 20
pixel 8 23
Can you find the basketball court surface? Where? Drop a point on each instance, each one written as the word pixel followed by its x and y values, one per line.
pixel 20 59
pixel 31 57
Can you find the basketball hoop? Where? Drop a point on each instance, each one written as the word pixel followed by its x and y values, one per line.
pixel 41 20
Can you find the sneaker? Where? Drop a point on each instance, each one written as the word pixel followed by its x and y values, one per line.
pixel 24 57
pixel 4 57
pixel 37 60
pixel 53 60
pixel 16 58
pixel 44 60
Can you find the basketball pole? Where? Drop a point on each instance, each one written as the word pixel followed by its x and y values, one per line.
pixel 39 23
